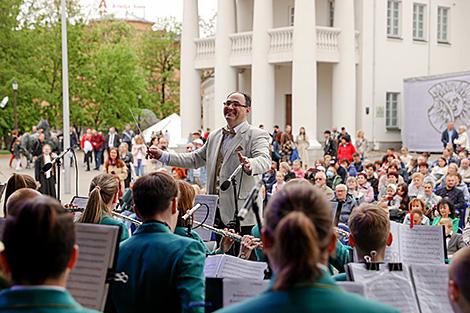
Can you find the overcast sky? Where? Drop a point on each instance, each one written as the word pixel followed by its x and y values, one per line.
pixel 150 9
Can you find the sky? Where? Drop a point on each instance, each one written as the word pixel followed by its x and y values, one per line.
pixel 151 9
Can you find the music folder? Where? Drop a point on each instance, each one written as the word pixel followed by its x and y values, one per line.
pixel 211 202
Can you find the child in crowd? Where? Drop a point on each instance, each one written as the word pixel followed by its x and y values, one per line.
pixel 454 241
pixel 279 182
pixel 286 170
pixel 297 169
pixel 417 209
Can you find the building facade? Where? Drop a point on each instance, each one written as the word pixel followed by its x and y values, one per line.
pixel 320 64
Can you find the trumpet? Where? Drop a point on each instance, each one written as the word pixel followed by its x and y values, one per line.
pixel 221 232
pixel 127 218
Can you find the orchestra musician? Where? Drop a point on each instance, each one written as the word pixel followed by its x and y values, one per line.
pixel 459 284
pixel 165 270
pixel 298 236
pixel 15 182
pixel 102 198
pixel 39 258
pixel 225 149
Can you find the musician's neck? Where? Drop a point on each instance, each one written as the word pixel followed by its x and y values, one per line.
pixel 379 257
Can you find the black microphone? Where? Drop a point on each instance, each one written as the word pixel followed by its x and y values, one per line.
pixel 252 197
pixel 48 166
pixel 226 184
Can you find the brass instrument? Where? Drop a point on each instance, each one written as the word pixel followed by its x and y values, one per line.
pixel 221 232
pixel 127 218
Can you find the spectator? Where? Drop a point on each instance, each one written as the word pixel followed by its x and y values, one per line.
pixel 412 167
pixel 127 136
pixel 440 170
pixel 461 143
pixel 357 162
pixel 116 167
pixel 423 168
pixel 37 145
pixel 297 169
pixel 454 194
pixel 276 148
pixel 430 198
pixel 45 179
pixel 344 134
pixel 320 182
pixel 351 183
pixel 385 179
pixel 364 187
pixel 128 159
pixel 346 149
pixel 350 168
pixel 346 203
pixel 405 156
pixel 88 150
pixel 449 156
pixel 446 210
pixel 98 148
pixel 361 145
pixel 330 144
pixel 333 179
pixel 464 171
pixel 39 258
pixel 416 188
pixel 372 178
pixel 391 178
pixel 112 139
pixel 285 169
pixel 269 177
pixel 139 151
pixel 287 144
pixel 279 182
pixel 449 135
pixel 402 192
pixel 463 187
pixel 418 207
pixel 302 143
pixel 454 241
pixel 178 173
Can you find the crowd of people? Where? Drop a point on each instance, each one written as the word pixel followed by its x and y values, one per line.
pixel 164 258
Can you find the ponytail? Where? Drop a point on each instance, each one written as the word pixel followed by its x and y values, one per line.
pixel 103 189
pixel 296 250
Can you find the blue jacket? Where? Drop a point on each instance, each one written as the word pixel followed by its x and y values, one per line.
pixel 446 140
pixel 32 300
pixel 318 297
pixel 165 270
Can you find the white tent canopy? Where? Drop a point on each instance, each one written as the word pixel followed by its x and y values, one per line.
pixel 172 124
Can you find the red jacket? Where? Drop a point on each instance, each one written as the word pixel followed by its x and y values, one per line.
pixel 346 152
pixel 97 142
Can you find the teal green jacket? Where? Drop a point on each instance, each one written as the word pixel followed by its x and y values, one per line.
pixel 108 220
pixel 455 223
pixel 39 301
pixel 319 297
pixel 343 256
pixel 165 270
pixel 183 231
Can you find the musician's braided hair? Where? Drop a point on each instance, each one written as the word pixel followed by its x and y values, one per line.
pixel 103 190
pixel 299 223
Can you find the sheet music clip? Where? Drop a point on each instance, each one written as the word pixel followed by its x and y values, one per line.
pixel 395 267
pixel 114 277
pixel 371 265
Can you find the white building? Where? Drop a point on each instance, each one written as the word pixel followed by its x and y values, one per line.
pixel 320 63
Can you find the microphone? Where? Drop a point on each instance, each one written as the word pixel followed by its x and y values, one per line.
pixel 191 212
pixel 48 166
pixel 226 184
pixel 252 197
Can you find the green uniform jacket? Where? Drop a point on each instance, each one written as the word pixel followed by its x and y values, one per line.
pixel 108 220
pixel 39 301
pixel 183 231
pixel 319 297
pixel 165 270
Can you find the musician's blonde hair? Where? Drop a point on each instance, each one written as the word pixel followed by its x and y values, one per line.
pixel 103 189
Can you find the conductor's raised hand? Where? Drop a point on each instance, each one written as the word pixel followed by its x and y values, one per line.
pixel 245 161
pixel 154 152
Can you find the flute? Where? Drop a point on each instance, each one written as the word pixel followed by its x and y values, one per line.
pixel 221 232
pixel 127 218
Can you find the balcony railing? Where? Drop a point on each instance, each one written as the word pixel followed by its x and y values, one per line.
pixel 205 47
pixel 241 43
pixel 327 38
pixel 281 39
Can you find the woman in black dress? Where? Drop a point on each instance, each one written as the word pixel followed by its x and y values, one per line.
pixel 46 179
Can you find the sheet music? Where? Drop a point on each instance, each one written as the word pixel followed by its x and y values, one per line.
pixel 392 252
pixel 392 288
pixel 233 267
pixel 86 282
pixel 422 244
pixel 431 285
pixel 237 290
pixel 211 201
pixel 353 287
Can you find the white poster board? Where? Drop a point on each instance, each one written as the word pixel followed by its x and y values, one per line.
pixel 429 103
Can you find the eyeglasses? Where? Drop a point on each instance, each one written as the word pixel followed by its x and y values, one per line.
pixel 235 104
pixel 318 178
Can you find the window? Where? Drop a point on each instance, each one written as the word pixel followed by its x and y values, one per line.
pixel 291 16
pixel 391 110
pixel 419 10
pixel 443 24
pixel 331 13
pixel 393 18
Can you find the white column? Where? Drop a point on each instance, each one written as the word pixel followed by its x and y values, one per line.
pixel 344 73
pixel 190 81
pixel 244 15
pixel 225 75
pixel 304 70
pixel 262 83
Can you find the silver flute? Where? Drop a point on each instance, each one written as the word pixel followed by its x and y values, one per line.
pixel 127 218
pixel 221 232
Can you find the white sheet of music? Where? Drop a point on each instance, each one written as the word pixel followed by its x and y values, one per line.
pixel 353 287
pixel 227 266
pixel 211 201
pixel 392 288
pixel 237 290
pixel 431 285
pixel 392 252
pixel 422 244
pixel 87 281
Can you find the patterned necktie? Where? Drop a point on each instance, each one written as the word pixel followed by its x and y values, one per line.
pixel 228 132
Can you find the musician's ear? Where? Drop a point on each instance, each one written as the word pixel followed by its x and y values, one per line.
pixel 4 263
pixel 73 258
pixel 267 240
pixel 174 206
pixel 453 291
pixel 389 239
pixel 351 241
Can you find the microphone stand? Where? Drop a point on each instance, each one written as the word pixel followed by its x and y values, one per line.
pixel 237 220
pixel 58 163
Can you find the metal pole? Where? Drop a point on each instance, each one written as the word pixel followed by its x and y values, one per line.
pixel 65 95
pixel 15 113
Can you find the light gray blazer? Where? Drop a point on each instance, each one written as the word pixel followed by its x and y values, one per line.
pixel 252 142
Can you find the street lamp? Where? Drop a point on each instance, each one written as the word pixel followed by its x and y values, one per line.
pixel 14 85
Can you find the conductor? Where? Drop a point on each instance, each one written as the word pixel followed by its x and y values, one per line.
pixel 225 149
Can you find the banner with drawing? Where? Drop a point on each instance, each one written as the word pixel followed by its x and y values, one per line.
pixel 429 103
